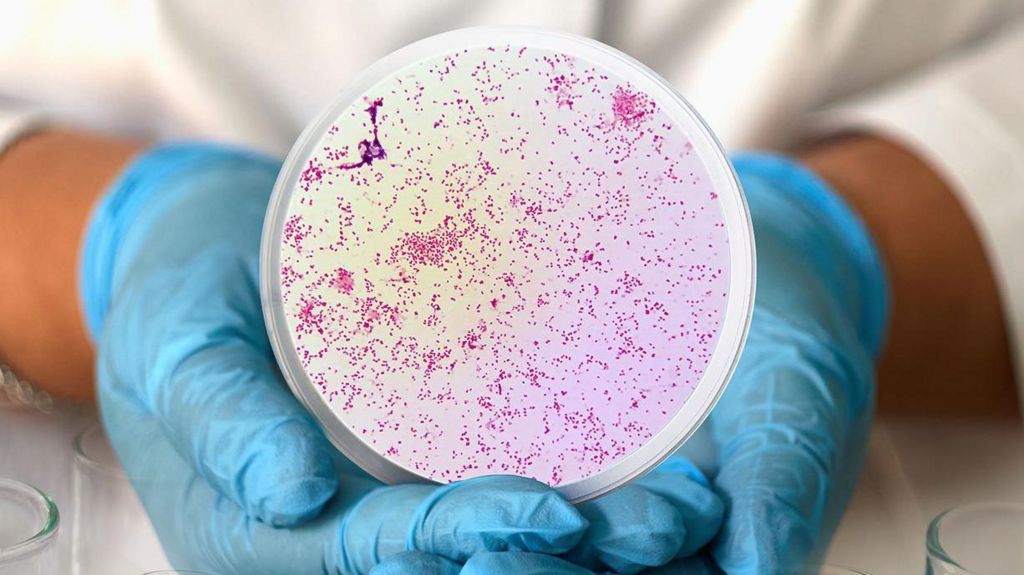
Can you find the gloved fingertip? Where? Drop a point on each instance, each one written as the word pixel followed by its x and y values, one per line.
pixel 703 510
pixel 686 467
pixel 548 522
pixel 561 529
pixel 498 513
pixel 290 479
pixel 703 524
pixel 297 502
pixel 763 537
pixel 519 563
pixel 631 529
pixel 415 563
pixel 700 564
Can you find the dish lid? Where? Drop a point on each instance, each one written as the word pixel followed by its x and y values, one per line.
pixel 508 251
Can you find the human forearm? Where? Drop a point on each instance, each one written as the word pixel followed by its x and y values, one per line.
pixel 947 351
pixel 49 182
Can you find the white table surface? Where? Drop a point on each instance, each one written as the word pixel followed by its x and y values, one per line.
pixel 917 468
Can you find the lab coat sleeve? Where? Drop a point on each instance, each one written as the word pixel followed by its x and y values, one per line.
pixel 16 123
pixel 965 117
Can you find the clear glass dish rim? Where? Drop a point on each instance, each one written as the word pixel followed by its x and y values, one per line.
pixel 83 458
pixel 46 533
pixel 933 537
pixel 736 321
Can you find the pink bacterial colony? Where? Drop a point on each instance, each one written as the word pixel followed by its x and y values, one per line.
pixel 504 260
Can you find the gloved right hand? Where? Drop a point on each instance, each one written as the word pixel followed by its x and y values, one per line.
pixel 790 431
pixel 232 471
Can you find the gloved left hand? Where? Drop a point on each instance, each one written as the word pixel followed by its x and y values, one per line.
pixel 232 471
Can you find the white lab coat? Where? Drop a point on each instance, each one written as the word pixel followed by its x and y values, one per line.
pixel 945 77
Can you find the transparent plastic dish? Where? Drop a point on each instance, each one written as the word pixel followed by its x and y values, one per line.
pixel 508 251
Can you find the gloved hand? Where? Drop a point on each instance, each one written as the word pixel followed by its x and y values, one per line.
pixel 791 428
pixel 624 535
pixel 232 471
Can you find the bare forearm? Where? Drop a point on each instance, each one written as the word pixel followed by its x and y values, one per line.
pixel 48 184
pixel 947 351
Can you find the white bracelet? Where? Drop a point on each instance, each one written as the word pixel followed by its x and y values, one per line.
pixel 22 393
pixel 14 127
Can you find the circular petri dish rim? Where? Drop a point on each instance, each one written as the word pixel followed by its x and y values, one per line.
pixel 83 447
pixel 737 220
pixel 934 545
pixel 47 531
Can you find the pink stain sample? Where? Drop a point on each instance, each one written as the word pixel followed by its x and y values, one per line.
pixel 504 260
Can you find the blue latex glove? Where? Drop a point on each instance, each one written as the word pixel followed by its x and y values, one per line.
pixel 232 471
pixel 628 532
pixel 791 428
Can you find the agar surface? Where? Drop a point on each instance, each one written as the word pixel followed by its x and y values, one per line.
pixel 502 260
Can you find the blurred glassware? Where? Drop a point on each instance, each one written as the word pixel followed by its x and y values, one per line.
pixel 36 431
pixel 17 392
pixel 980 538
pixel 29 522
pixel 111 534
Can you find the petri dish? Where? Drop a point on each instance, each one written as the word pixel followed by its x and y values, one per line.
pixel 508 250
pixel 29 522
pixel 110 531
pixel 985 538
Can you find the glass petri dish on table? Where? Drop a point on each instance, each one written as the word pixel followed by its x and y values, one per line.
pixel 29 522
pixel 111 533
pixel 985 538
pixel 508 251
